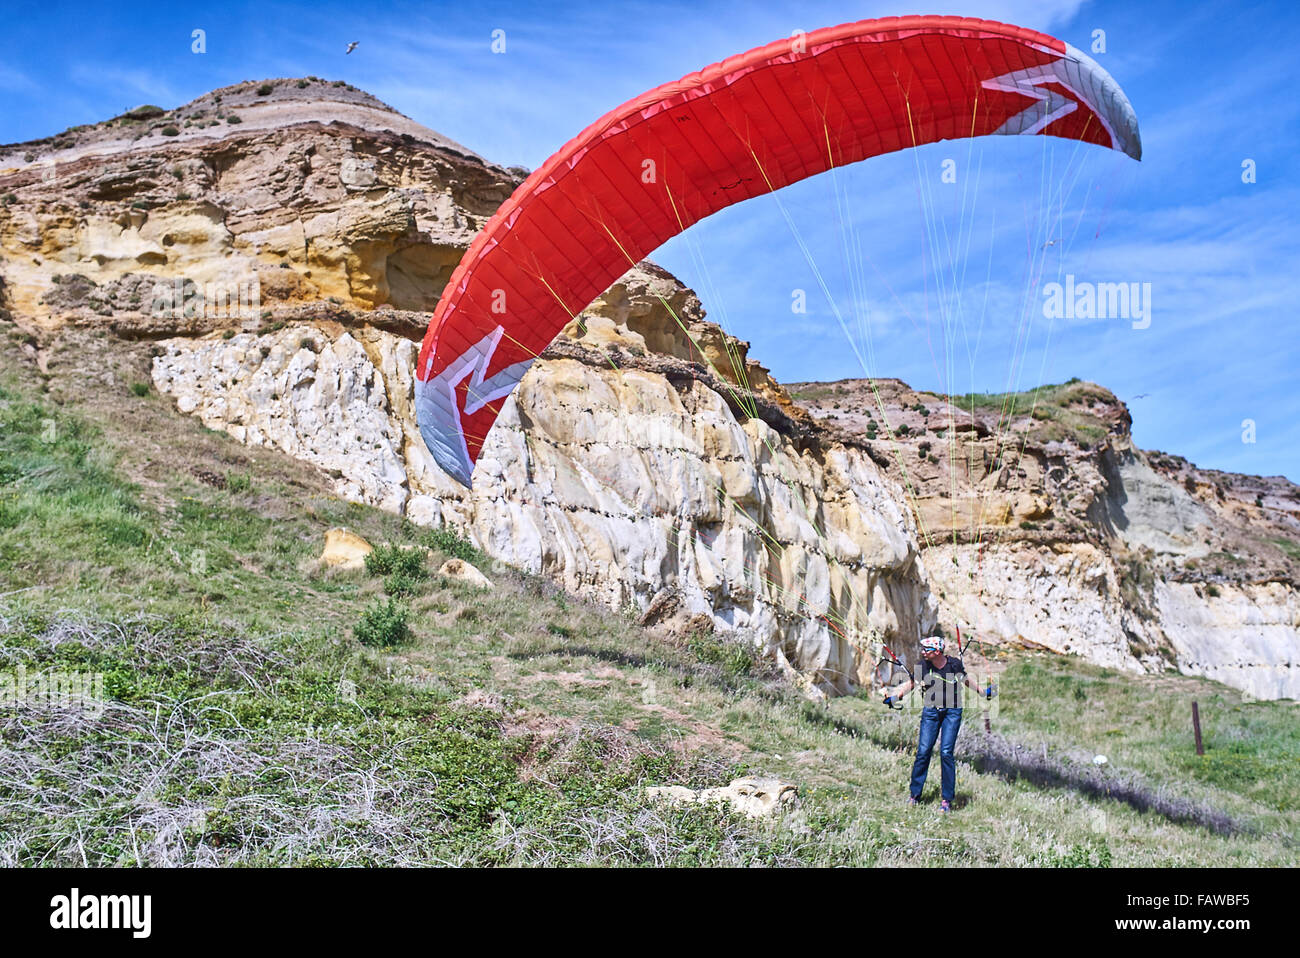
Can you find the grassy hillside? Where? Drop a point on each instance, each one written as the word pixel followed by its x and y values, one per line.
pixel 244 722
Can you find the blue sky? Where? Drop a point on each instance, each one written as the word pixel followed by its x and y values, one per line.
pixel 1211 84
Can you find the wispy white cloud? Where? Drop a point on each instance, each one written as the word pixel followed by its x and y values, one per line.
pixel 135 85
pixel 16 81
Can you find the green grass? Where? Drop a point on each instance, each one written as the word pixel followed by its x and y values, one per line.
pixel 1288 546
pixel 1252 748
pixel 1058 412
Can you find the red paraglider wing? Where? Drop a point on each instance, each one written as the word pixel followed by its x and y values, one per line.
pixel 748 125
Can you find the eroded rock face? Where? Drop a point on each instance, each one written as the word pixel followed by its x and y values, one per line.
pixel 1046 527
pixel 1063 597
pixel 315 398
pixel 1259 623
pixel 617 483
pixel 319 192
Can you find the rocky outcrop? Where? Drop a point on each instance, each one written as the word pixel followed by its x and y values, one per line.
pixel 1042 525
pixel 317 193
pixel 461 571
pixel 313 397
pixel 344 550
pixel 751 797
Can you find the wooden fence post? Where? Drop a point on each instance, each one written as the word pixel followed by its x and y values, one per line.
pixel 1196 726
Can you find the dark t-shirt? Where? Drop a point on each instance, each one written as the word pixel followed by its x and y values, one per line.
pixel 941 688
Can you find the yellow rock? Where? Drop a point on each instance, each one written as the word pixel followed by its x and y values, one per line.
pixel 345 550
pixel 462 571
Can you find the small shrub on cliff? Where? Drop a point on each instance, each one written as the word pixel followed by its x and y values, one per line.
pixel 170 131
pixel 449 543
pixel 140 389
pixel 391 560
pixel 384 625
pixel 265 89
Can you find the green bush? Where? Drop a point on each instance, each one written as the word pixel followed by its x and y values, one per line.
pixel 384 624
pixel 265 89
pixel 170 131
pixel 450 543
pixel 390 560
pixel 401 584
pixel 140 389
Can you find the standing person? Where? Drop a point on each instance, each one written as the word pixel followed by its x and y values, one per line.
pixel 941 678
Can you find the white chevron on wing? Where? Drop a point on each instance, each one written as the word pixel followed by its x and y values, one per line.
pixel 439 413
pixel 1051 106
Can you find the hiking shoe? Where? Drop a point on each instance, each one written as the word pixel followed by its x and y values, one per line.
pixel 913 800
pixel 945 806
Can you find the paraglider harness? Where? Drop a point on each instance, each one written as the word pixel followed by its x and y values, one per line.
pixel 896 704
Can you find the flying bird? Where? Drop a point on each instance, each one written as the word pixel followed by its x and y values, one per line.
pixel 1142 396
pixel 351 46
pixel 1049 243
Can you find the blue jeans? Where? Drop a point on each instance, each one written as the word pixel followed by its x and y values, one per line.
pixel 933 721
